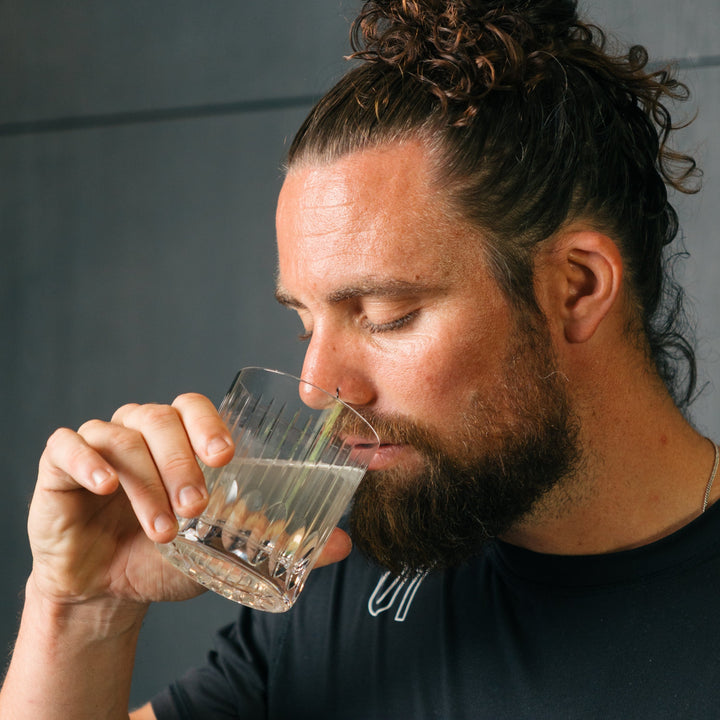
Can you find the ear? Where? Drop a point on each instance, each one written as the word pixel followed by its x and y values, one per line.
pixel 579 279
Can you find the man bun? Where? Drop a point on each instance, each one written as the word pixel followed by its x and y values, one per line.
pixel 466 48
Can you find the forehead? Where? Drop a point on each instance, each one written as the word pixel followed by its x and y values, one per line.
pixel 375 213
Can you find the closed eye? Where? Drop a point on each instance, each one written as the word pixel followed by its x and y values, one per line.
pixel 396 324
pixel 374 328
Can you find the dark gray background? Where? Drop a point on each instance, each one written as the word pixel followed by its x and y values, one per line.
pixel 140 151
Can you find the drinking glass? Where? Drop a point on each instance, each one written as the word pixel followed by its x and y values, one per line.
pixel 300 453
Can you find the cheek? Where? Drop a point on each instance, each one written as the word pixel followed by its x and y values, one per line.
pixel 434 376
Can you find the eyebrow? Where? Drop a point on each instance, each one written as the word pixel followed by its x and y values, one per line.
pixel 365 288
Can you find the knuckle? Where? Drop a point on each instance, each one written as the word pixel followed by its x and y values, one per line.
pixel 66 453
pixel 59 439
pixel 156 415
pixel 145 418
pixel 89 428
pixel 144 491
pixel 198 413
pixel 126 440
pixel 124 410
pixel 189 399
pixel 181 464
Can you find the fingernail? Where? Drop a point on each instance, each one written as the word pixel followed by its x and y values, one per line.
pixel 163 523
pixel 190 495
pixel 217 445
pixel 101 476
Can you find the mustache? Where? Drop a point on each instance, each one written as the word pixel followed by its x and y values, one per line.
pixel 391 429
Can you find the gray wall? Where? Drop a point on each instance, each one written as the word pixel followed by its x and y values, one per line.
pixel 140 146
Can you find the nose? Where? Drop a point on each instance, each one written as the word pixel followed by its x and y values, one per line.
pixel 339 368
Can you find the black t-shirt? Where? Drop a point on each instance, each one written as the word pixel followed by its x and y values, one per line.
pixel 513 634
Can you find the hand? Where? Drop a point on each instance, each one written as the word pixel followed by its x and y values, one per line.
pixel 108 492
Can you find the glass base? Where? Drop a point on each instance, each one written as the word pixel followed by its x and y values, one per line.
pixel 227 576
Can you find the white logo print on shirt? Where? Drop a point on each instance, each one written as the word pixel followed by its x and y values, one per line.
pixel 389 587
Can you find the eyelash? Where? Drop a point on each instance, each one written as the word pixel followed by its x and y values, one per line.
pixel 401 322
pixel 373 328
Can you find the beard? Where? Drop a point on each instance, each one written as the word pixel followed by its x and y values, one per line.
pixel 511 449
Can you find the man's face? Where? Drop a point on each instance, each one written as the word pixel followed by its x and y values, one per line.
pixel 403 318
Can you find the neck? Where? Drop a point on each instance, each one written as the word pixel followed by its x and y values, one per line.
pixel 643 475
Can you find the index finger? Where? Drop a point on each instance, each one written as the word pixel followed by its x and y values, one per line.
pixel 209 436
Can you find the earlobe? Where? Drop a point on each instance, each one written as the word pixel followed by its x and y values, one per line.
pixel 588 267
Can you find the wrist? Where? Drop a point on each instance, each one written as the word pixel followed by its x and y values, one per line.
pixel 72 659
pixel 92 619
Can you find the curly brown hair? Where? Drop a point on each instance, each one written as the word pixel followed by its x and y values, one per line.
pixel 531 121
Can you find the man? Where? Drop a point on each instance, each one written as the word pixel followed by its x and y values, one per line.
pixel 471 230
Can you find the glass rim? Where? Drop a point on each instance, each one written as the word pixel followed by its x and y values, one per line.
pixel 334 398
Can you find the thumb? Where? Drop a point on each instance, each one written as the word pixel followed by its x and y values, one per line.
pixel 337 548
